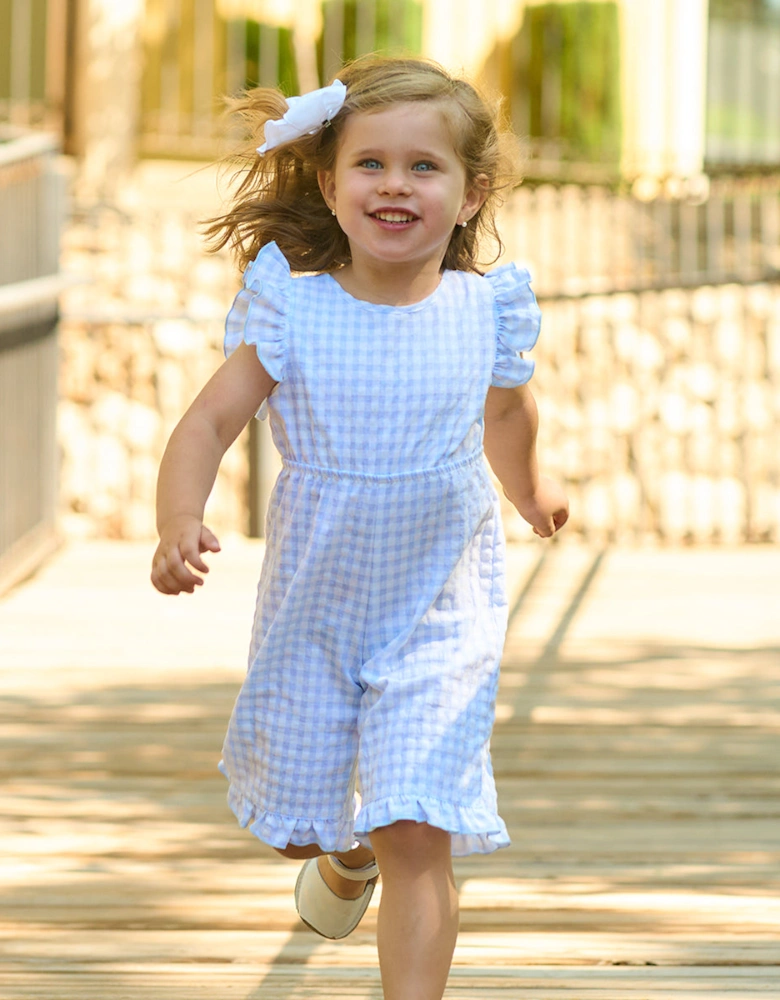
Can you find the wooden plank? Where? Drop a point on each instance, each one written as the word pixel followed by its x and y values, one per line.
pixel 137 949
pixel 645 861
pixel 270 984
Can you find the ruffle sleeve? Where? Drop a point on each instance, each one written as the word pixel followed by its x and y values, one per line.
pixel 258 315
pixel 518 321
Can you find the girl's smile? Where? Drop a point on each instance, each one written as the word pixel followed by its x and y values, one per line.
pixel 393 218
pixel 398 189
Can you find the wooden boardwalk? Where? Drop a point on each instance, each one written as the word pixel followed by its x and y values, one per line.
pixel 637 750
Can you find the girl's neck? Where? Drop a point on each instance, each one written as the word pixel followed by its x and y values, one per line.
pixel 398 285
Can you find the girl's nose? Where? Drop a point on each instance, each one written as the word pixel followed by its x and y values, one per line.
pixel 394 182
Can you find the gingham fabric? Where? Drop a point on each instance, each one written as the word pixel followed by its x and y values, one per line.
pixel 381 609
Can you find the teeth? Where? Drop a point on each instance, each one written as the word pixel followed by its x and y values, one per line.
pixel 394 217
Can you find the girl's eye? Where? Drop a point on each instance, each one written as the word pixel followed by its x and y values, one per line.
pixel 370 164
pixel 424 166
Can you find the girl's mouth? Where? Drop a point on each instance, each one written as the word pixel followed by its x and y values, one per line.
pixel 394 218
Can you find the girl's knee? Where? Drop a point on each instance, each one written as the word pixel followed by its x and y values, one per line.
pixel 411 840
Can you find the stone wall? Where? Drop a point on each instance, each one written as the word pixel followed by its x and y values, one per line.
pixel 661 410
pixel 141 332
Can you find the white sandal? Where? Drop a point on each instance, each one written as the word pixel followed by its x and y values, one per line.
pixel 321 909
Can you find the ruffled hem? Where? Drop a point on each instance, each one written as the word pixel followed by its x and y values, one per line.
pixel 475 829
pixel 518 321
pixel 279 831
pixel 258 315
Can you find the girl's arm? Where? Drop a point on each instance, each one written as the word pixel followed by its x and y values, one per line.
pixel 511 422
pixel 190 463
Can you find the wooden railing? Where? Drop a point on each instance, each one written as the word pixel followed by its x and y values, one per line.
pixel 31 208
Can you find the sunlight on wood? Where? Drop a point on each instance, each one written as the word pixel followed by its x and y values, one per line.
pixel 636 746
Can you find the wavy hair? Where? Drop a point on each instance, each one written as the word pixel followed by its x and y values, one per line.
pixel 277 196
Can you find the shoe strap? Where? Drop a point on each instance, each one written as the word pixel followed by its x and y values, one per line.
pixel 369 871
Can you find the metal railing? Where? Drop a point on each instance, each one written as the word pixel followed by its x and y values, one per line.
pixel 562 95
pixel 743 92
pixel 197 51
pixel 588 239
pixel 659 362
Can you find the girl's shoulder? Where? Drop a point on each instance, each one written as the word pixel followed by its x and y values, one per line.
pixel 502 282
pixel 509 281
pixel 270 266
pixel 270 272
pixel 518 322
pixel 259 314
pixel 507 289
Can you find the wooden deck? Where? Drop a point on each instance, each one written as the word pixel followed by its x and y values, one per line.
pixel 637 751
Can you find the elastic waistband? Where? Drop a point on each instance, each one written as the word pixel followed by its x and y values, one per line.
pixel 432 472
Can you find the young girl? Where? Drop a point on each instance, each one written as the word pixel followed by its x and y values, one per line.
pixel 359 740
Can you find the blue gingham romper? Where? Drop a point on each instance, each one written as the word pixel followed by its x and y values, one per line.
pixel 381 608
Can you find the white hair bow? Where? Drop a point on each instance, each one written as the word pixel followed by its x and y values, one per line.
pixel 305 115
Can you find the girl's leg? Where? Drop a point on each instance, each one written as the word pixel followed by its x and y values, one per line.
pixel 418 914
pixel 356 858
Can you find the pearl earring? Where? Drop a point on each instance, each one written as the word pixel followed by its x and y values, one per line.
pixel 464 224
pixel 333 211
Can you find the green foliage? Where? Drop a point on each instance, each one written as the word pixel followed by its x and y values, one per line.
pixel 743 80
pixel 390 26
pixel 743 10
pixel 747 125
pixel 33 75
pixel 5 48
pixel 566 62
pixel 270 57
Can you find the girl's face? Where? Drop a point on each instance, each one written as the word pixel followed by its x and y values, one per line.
pixel 399 187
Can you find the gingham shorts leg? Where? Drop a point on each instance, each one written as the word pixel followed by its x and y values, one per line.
pixel 377 640
pixel 432 674
pixel 291 747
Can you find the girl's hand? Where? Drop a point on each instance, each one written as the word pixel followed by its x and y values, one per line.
pixel 182 541
pixel 546 510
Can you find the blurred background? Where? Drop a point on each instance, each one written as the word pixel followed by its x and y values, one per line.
pixel 649 218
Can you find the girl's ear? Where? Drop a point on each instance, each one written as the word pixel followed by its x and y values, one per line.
pixel 327 187
pixel 475 196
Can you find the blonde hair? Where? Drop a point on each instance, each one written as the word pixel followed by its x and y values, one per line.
pixel 278 196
